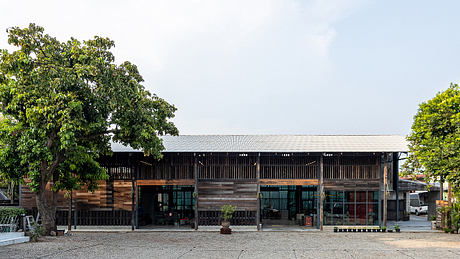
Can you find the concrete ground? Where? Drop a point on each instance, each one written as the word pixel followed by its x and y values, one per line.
pixel 240 245
pixel 415 224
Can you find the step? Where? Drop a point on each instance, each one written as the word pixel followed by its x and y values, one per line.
pixel 13 238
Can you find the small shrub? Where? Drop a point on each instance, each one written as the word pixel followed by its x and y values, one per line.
pixel 227 212
pixel 11 212
pixel 36 231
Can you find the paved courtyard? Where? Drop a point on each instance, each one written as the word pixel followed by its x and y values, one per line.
pixel 240 245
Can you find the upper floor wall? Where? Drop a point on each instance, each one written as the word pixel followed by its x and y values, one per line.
pixel 250 166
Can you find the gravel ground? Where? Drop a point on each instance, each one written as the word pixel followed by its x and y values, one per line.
pixel 240 245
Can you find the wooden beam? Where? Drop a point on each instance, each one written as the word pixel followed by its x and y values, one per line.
pixel 288 181
pixel 258 192
pixel 166 182
pixel 321 192
pixel 195 192
pixel 385 194
pixel 133 203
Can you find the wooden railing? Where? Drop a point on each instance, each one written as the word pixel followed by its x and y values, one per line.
pixel 96 217
pixel 351 172
pixel 240 218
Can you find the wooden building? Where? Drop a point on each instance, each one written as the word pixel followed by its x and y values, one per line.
pixel 271 179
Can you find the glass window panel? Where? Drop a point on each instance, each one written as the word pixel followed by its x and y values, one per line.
pixel 350 196
pixel 349 214
pixel 373 218
pixel 361 214
pixel 360 196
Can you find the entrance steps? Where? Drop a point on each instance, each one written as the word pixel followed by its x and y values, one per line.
pixel 12 238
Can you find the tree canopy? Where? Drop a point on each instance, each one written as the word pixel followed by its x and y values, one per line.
pixel 62 104
pixel 434 142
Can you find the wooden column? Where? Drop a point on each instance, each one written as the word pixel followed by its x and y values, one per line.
pixel 69 216
pixel 385 194
pixel 195 193
pixel 441 189
pixel 321 192
pixel 133 199
pixel 396 177
pixel 258 192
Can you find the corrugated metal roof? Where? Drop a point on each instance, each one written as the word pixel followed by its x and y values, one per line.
pixel 280 143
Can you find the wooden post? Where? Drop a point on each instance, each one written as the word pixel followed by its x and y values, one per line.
pixel 441 189
pixel 385 182
pixel 449 194
pixel 258 192
pixel 396 177
pixel 195 193
pixel 321 192
pixel 69 216
pixel 133 200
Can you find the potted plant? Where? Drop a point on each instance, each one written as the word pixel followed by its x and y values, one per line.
pixel 374 229
pixel 384 229
pixel 227 214
pixel 359 229
pixel 378 229
pixel 390 230
pixel 340 230
pixel 364 229
pixel 336 229
pixel 369 229
pixel 354 229
pixel 397 228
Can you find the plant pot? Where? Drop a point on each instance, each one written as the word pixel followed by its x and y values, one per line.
pixel 374 230
pixel 359 230
pixel 398 230
pixel 369 230
pixel 226 231
pixel 390 230
pixel 354 230
pixel 384 230
pixel 225 224
pixel 378 230
pixel 340 230
pixel 336 230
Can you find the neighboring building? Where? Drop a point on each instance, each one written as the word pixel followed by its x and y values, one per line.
pixel 272 179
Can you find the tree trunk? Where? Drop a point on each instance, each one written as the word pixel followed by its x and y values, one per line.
pixel 47 211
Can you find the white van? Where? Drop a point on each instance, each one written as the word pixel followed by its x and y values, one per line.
pixel 416 206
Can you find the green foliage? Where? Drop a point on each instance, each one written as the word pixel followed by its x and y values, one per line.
pixel 63 102
pixel 11 212
pixel 227 212
pixel 434 144
pixel 36 231
pixel 455 216
pixel 396 226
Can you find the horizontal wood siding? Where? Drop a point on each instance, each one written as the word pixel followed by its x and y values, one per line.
pixel 288 181
pixel 114 195
pixel 213 194
pixel 341 184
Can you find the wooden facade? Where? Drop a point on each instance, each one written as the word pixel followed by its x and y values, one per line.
pixel 219 179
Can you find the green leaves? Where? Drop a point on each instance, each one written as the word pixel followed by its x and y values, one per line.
pixel 435 138
pixel 62 104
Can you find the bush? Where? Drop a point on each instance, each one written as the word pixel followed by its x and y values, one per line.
pixel 11 212
pixel 227 212
pixel 36 231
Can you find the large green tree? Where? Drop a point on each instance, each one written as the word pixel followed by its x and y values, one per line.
pixel 62 105
pixel 434 142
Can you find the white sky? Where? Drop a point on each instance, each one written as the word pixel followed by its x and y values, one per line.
pixel 269 66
